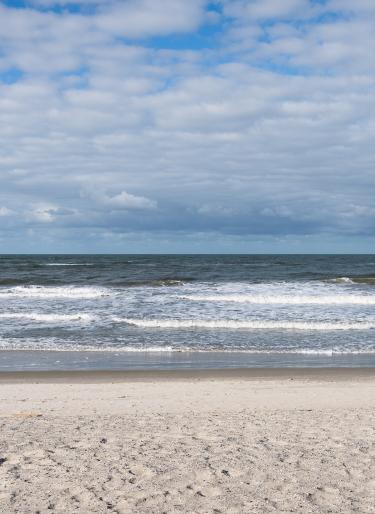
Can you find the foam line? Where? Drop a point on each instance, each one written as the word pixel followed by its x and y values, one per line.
pixel 250 324
pixel 72 292
pixel 286 300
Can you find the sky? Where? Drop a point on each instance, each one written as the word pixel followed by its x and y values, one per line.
pixel 174 126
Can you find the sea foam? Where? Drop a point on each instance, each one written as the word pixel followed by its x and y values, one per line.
pixel 286 300
pixel 49 318
pixel 68 264
pixel 53 292
pixel 248 324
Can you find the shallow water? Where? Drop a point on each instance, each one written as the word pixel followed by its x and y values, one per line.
pixel 273 310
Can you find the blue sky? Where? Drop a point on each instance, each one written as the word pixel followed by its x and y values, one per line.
pixel 174 126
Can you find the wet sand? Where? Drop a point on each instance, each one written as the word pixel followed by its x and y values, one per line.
pixel 325 374
pixel 230 441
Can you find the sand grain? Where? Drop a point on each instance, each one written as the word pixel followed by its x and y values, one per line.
pixel 192 446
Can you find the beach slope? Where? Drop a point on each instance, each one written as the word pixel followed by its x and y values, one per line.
pixel 244 441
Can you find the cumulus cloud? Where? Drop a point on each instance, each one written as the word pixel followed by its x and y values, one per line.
pixel 127 201
pixel 263 9
pixel 4 211
pixel 240 119
pixel 47 213
pixel 137 18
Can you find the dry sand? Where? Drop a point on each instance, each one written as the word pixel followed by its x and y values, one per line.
pixel 195 442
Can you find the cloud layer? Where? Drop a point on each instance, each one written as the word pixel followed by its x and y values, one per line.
pixel 166 125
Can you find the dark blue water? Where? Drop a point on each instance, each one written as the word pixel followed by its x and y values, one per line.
pixel 136 311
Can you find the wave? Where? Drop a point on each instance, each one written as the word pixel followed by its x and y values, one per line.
pixel 53 292
pixel 157 282
pixel 364 280
pixel 250 324
pixel 341 280
pixel 12 281
pixel 58 347
pixel 285 300
pixel 68 264
pixel 369 280
pixel 33 346
pixel 50 318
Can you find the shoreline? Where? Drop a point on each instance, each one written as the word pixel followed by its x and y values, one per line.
pixel 30 361
pixel 322 374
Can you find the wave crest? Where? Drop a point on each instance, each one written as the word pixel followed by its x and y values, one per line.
pixel 249 324
pixel 285 300
pixel 353 280
pixel 49 318
pixel 53 292
pixel 68 264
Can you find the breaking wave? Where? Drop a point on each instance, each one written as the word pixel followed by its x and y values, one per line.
pixel 49 346
pixel 53 292
pixel 353 280
pixel 68 264
pixel 49 318
pixel 58 346
pixel 157 282
pixel 286 300
pixel 250 324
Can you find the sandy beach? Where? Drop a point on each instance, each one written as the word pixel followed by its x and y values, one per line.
pixel 240 441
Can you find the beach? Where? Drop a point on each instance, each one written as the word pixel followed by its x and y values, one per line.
pixel 187 257
pixel 195 441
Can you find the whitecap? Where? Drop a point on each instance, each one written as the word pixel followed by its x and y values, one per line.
pixel 286 300
pixel 69 292
pixel 68 264
pixel 248 324
pixel 48 318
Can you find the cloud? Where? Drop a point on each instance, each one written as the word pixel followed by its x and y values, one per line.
pixel 139 18
pixel 263 9
pixel 360 6
pixel 43 213
pixel 150 118
pixel 127 201
pixel 4 211
pixel 53 3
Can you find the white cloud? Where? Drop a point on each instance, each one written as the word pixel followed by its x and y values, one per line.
pixel 126 200
pixel 43 213
pixel 99 198
pixel 267 129
pixel 260 9
pixel 359 6
pixel 139 18
pixel 4 211
pixel 51 3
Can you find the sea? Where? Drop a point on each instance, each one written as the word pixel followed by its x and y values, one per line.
pixel 78 312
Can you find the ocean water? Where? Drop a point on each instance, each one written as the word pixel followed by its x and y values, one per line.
pixel 132 311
